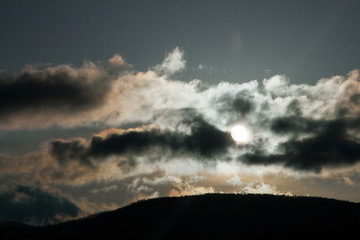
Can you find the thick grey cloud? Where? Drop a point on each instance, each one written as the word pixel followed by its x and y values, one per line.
pixel 331 143
pixel 203 141
pixel 57 89
pixel 59 95
pixel 46 90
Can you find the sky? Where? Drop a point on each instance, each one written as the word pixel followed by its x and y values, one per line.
pixel 103 103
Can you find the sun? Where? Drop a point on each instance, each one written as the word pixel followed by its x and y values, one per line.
pixel 240 134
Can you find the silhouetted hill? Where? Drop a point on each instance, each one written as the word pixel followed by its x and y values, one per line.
pixel 212 216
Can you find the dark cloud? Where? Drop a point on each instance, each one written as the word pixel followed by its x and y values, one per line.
pixel 240 104
pixel 133 141
pixel 41 97
pixel 204 140
pixel 330 144
pixel 293 124
pixel 63 151
pixel 61 89
pixel 34 206
pixel 296 125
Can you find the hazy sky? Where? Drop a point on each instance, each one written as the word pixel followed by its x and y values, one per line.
pixel 103 103
pixel 237 40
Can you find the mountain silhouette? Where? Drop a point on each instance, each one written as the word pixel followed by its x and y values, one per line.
pixel 210 216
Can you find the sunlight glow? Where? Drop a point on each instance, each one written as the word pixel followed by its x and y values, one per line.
pixel 240 134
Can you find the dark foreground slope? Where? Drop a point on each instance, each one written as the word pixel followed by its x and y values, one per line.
pixel 213 216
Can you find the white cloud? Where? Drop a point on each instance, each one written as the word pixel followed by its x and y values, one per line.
pixel 260 188
pixel 235 181
pixel 173 62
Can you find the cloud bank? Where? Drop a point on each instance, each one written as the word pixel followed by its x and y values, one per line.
pixel 179 139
